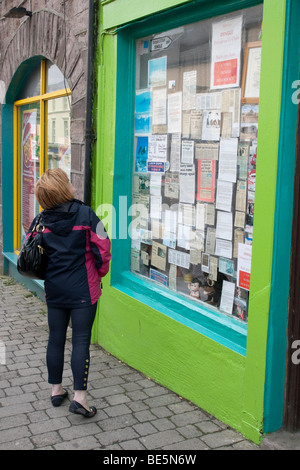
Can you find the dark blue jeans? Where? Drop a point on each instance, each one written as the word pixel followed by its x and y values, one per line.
pixel 82 322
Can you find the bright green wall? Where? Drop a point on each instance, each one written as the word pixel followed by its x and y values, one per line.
pixel 117 13
pixel 223 382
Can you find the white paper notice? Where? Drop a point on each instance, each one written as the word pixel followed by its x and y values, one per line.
pixel 223 248
pixel 159 106
pixel 227 296
pixel 228 159
pixel 174 112
pixel 189 89
pixel 157 147
pixel 224 225
pixel 187 151
pixel 187 183
pixel 175 152
pixel 179 258
pixel 224 195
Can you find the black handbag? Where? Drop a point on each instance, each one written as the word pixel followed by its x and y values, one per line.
pixel 32 259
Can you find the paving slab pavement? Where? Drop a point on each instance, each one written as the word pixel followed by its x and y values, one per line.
pixel 134 412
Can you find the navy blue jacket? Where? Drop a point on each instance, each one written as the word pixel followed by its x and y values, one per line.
pixel 78 251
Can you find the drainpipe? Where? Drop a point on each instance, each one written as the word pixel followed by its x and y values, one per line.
pixel 90 136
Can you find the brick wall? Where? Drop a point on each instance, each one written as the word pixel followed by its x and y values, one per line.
pixel 52 23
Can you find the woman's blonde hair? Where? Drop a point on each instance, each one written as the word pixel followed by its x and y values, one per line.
pixel 53 188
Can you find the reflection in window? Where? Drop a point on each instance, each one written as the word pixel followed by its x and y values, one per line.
pixel 55 80
pixel 59 150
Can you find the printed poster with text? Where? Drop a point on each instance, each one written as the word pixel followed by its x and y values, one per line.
pixel 226 53
pixel 28 167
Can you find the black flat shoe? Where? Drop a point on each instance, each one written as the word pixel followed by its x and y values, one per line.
pixel 57 400
pixel 78 409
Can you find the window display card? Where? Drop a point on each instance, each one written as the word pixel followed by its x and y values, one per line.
pixel 158 277
pixel 186 215
pixel 224 225
pixel 226 53
pixel 209 100
pixel 179 258
pixel 187 183
pixel 224 196
pixel 187 151
pixel 242 160
pixel 211 125
pixel 141 184
pixel 156 229
pixel 155 184
pixel 142 124
pixel 143 101
pixel 159 256
pixel 159 107
pixel 241 196
pixel 157 147
pixel 213 268
pixel 189 90
pixel 175 152
pixel 228 159
pixel 206 180
pixel 226 128
pixel 239 219
pixel 172 186
pixel 244 266
pixel 183 236
pixel 196 125
pixel 227 297
pixel 210 214
pixel 135 260
pixel 205 262
pixel 195 256
pixel 231 103
pixel 223 248
pixel 170 228
pixel 186 125
pixel 155 207
pixel 239 236
pixel 210 240
pixel 226 266
pixel 207 151
pixel 157 72
pixel 141 154
pixel 174 112
pixel 200 216
pixel 172 276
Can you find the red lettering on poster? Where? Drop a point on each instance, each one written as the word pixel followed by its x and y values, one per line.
pixel 225 72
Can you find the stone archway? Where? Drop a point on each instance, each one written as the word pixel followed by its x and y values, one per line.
pixel 47 34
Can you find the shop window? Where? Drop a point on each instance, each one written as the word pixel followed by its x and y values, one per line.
pixel 195 140
pixel 42 136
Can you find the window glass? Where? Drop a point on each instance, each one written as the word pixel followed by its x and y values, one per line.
pixel 195 139
pixel 59 145
pixel 30 163
pixel 32 86
pixel 54 78
pixel 53 116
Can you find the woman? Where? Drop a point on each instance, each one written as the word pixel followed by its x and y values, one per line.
pixel 78 250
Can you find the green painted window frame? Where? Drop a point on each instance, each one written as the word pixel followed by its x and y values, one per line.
pixel 226 330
